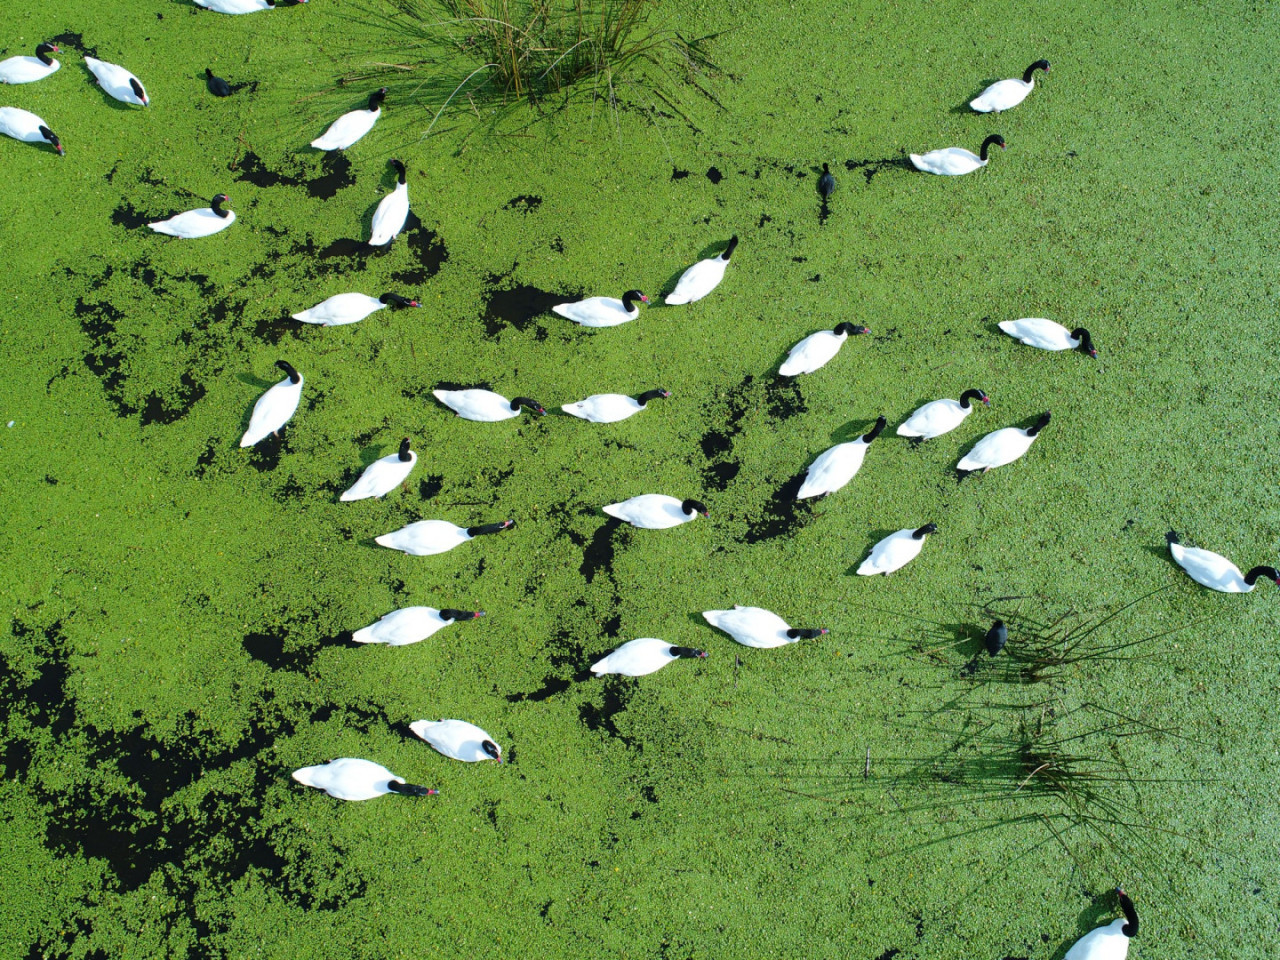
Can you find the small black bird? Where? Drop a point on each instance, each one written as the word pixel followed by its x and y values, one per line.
pixel 826 183
pixel 997 637
pixel 217 86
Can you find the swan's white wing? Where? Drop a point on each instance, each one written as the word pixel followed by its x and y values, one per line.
pixel 652 511
pixel 950 162
pixel 390 217
pixel 381 477
pixel 934 419
pixel 997 449
pixel 894 551
pixel 424 538
pixel 751 626
pixel 699 280
pixel 635 658
pixel 1001 95
pixel 595 312
pixel 833 469
pixel 272 411
pixel 347 129
pixel 811 353
pixel 1209 569
pixel 341 308
pixel 604 407
pixel 348 778
pixel 456 739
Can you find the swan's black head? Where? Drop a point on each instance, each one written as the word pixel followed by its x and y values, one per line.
pixel 491 748
pixel 405 453
pixel 1130 929
pixel 969 396
pixel 728 251
pixel 997 637
pixel 376 98
pixel 849 329
pixel 457 615
pixel 270 3
pixel 1039 424
pixel 924 531
pixel 410 789
pixel 1269 572
pixel 399 165
pixel 687 652
pixel 631 296
pixel 794 634
pixel 53 139
pixel 690 507
pixel 529 402
pixel 648 395
pixel 398 301
pixel 875 431
pixel 293 375
pixel 217 203
pixel 994 139
pixel 138 91
pixel 490 528
pixel 43 51
pixel 1038 65
pixel 1086 342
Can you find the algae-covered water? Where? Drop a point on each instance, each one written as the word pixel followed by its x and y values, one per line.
pixel 180 609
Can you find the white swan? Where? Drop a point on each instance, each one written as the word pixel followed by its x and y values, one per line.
pixel 838 465
pixel 27 127
pixel 458 739
pixel 655 511
pixel 642 656
pixel 1215 571
pixel 1005 94
pixel 350 778
pixel 237 6
pixel 1048 335
pixel 485 405
pixel 202 222
pixel 813 352
pixel 30 69
pixel 954 161
pixel 1110 942
pixel 399 628
pixel 275 407
pixel 895 551
pixel 757 627
pixel 602 311
pixel 350 308
pixel 118 82
pixel 350 127
pixel 612 407
pixel 383 475
pixel 427 537
pixel 703 277
pixel 1001 447
pixel 392 212
pixel 940 416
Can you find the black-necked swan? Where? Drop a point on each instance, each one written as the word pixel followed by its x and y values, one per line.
pixel 1110 942
pixel 1004 94
pixel 27 127
pixel 216 85
pixel 399 628
pixel 1215 571
pixel 485 405
pixel 896 550
pixel 30 69
pixel 703 277
pixel 954 161
pixel 656 511
pixel 837 466
pixel 275 407
pixel 602 311
pixel 346 308
pixel 383 475
pixel 813 352
pixel 201 222
pixel 643 656
pixel 1001 446
pixel 758 627
pixel 350 778
pixel 118 82
pixel 350 127
pixel 940 416
pixel 1048 335
pixel 458 739
pixel 392 212
pixel 612 407
pixel 427 537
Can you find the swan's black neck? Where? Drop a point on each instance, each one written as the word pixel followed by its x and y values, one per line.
pixel 405 453
pixel 410 789
pixel 489 528
pixel 728 251
pixel 376 98
pixel 52 138
pixel 217 202
pixel 270 3
pixel 997 637
pixel 874 431
pixel 651 395
pixel 794 634
pixel 529 402
pixel 137 89
pixel 969 396
pixel 986 145
pixel 294 375
pixel 1038 65
pixel 686 652
pixel 1086 342
pixel 849 329
pixel 43 51
pixel 492 750
pixel 395 300
pixel 1039 424
pixel 629 298
pixel 1130 929
pixel 924 531
pixel 690 507
pixel 401 170
pixel 451 614
pixel 1269 572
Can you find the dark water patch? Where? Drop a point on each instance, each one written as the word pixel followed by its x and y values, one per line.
pixel 429 487
pixel 105 360
pixel 612 624
pixel 204 286
pixel 888 336
pixel 314 883
pixel 253 170
pixel 494 477
pixel 550 687
pixel 41 697
pixel 76 42
pixel 349 714
pixel 889 954
pixel 714 175
pixel 355 250
pixel 274 329
pixel 265 454
pixel 427 247
pixel 714 443
pixel 717 445
pixel 269 650
pixel 315 399
pixel 514 306
pixel 51 480
pixel 336 176
pixel 598 555
pixel 206 458
pixel 678 174
pixel 557 244
pixel 525 203
pixel 292 490
pixel 156 409
pixel 782 515
pixel 816 278
pixel 615 696
pixel 127 216
pixel 764 218
pixel 783 398
pixel 719 475
pixel 870 168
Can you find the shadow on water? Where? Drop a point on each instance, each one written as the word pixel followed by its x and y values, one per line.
pixel 782 515
pixel 516 305
pixel 336 175
pixel 870 168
